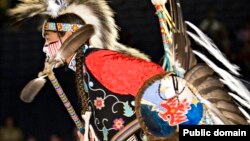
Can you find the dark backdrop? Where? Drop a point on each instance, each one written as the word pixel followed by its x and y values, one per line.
pixel 21 58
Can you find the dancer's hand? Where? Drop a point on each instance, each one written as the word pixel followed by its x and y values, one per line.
pixel 80 135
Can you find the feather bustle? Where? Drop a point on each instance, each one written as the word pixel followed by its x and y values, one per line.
pixel 212 90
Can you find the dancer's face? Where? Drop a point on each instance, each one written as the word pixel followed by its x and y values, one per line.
pixel 53 42
pixel 51 37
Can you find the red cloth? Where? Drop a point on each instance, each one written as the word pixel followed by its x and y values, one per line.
pixel 121 73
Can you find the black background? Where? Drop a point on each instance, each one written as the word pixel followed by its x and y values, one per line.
pixel 21 59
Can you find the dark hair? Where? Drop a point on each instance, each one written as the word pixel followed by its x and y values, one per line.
pixel 67 18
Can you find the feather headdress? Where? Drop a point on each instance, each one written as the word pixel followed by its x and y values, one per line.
pixel 94 12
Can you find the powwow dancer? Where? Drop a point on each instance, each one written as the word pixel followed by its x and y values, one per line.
pixel 124 95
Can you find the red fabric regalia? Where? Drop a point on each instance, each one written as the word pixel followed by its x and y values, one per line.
pixel 120 73
pixel 112 80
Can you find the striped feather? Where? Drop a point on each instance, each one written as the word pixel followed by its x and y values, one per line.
pixel 182 45
pixel 208 44
pixel 213 91
pixel 27 9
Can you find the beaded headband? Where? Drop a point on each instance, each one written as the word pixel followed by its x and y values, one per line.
pixel 64 27
pixel 61 26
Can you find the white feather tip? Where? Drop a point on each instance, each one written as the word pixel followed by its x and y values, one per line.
pixel 53 8
pixel 159 2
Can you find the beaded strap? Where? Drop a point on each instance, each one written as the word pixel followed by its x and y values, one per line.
pixel 66 102
pixel 61 26
pixel 79 79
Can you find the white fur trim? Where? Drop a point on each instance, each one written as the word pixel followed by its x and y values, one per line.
pixel 159 2
pixel 87 15
pixel 53 8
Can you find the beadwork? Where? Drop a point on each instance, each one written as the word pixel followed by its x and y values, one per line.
pixel 61 26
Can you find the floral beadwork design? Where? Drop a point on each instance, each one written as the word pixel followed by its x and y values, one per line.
pixel 119 111
pixel 118 124
pixel 111 112
pixel 99 103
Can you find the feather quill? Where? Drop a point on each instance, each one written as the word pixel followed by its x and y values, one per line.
pixel 76 40
pixel 244 112
pixel 240 100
